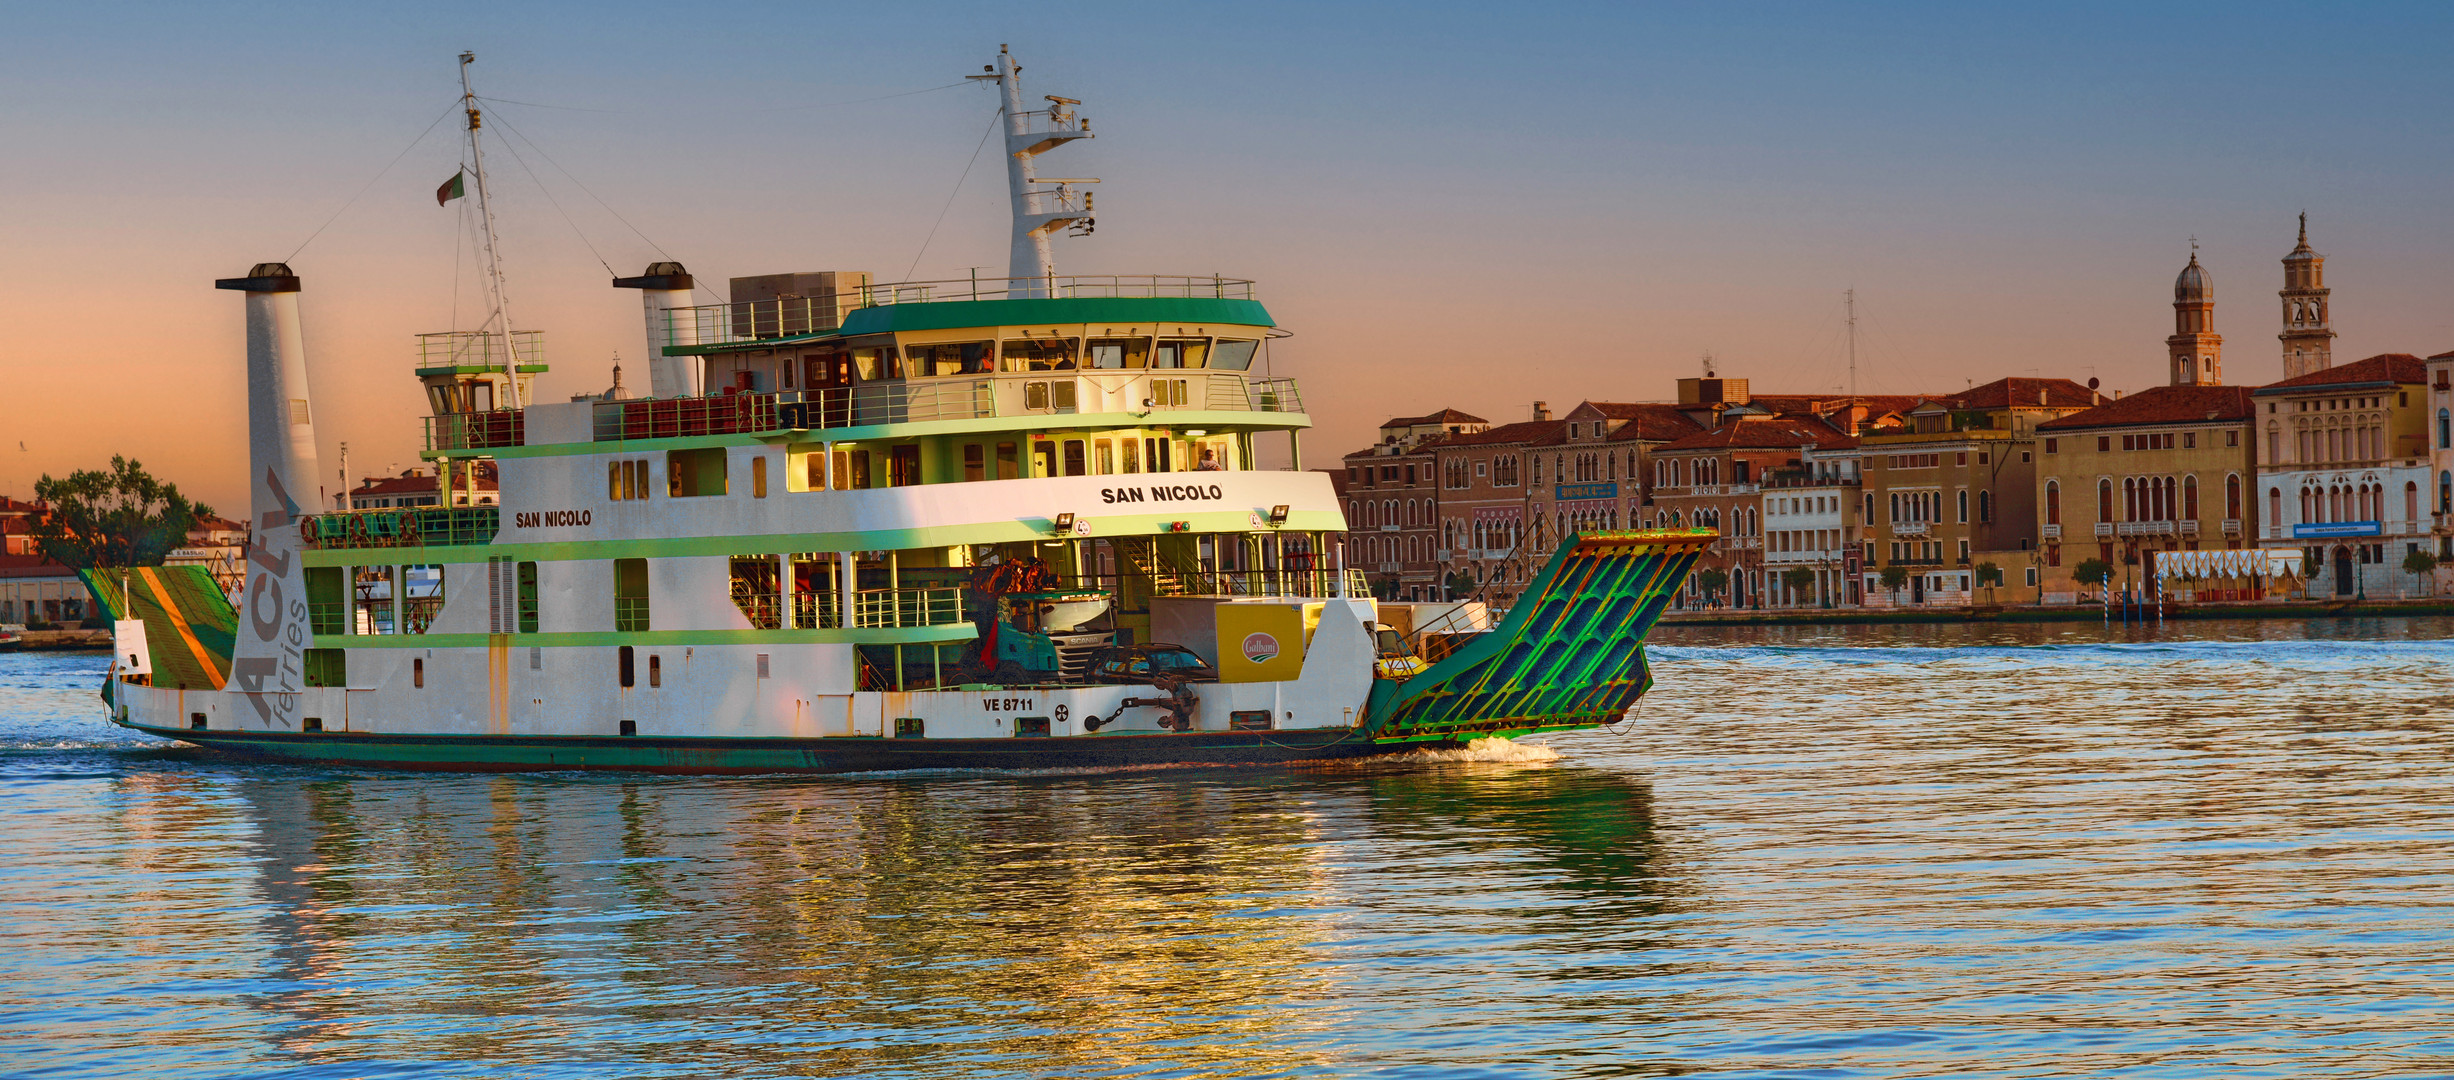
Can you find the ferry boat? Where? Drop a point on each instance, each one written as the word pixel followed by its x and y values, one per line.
pixel 1004 523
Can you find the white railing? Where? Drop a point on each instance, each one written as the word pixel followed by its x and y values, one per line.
pixel 1910 528
pixel 2188 528
pixel 2051 532
pixel 2146 528
pixel 760 320
pixel 478 349
pixel 2104 528
pixel 2232 526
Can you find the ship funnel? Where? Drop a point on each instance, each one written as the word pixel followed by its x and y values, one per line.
pixel 664 287
pixel 283 485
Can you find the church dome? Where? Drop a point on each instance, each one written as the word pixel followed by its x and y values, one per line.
pixel 2194 285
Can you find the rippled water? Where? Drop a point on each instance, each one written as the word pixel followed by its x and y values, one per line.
pixel 2217 850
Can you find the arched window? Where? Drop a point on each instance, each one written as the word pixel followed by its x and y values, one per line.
pixel 2104 500
pixel 2411 501
pixel 2189 498
pixel 2275 506
pixel 2232 497
pixel 2053 502
pixel 2275 444
pixel 1963 506
pixel 2445 493
pixel 2445 430
pixel 2130 499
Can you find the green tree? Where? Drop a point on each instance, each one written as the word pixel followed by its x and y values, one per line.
pixel 1989 576
pixel 123 517
pixel 2420 564
pixel 1712 580
pixel 1798 578
pixel 1893 577
pixel 1461 585
pixel 2092 572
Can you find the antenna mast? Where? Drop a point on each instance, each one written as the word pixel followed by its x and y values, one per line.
pixel 1030 269
pixel 494 260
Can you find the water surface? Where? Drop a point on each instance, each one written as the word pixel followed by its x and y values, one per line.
pixel 2216 849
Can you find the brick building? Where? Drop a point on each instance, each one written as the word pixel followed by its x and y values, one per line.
pixel 1713 479
pixel 1392 497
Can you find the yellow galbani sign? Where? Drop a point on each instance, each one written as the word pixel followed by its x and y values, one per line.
pixel 1263 642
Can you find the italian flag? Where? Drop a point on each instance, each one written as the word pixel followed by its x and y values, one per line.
pixel 451 189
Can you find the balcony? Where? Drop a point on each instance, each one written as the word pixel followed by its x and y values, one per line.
pixel 2232 526
pixel 2146 528
pixel 2050 532
pixel 423 526
pixel 2189 527
pixel 2104 528
pixel 1911 528
pixel 874 404
pixel 766 320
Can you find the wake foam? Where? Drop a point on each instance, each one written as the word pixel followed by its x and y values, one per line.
pixel 1493 749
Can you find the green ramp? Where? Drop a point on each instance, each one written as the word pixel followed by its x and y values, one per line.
pixel 1570 653
pixel 190 626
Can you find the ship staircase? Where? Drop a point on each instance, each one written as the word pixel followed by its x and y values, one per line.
pixel 1170 574
pixel 1569 653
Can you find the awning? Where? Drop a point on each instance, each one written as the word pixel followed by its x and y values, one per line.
pixel 2228 564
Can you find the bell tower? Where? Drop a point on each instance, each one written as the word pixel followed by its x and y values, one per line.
pixel 2197 351
pixel 2309 341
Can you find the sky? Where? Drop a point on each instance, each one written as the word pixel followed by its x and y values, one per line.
pixel 1468 206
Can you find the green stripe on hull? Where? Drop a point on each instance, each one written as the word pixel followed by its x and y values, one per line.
pixel 830 755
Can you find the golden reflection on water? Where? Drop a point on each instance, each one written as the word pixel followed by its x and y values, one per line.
pixel 1175 921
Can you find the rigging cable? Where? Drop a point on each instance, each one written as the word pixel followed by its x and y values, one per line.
pixel 353 200
pixel 958 190
pixel 554 202
pixel 575 182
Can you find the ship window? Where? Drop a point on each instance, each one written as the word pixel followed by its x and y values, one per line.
pixel 1043 459
pixel 1235 355
pixel 1009 464
pixel 949 358
pixel 481 397
pixel 851 470
pixel 1038 354
pixel 312 723
pixel 757 590
pixel 327 667
pixel 630 597
pixel 656 670
pixel 1031 727
pixel 975 462
pixel 1180 353
pixel 1035 396
pixel 902 466
pixel 417 673
pixel 527 609
pixel 694 472
pixel 1103 457
pixel 1117 353
pixel 371 591
pixel 758 477
pixel 622 667
pixel 911 727
pixel 628 727
pixel 1133 455
pixel 421 597
pixel 1074 464
pixel 1158 452
pixel 876 363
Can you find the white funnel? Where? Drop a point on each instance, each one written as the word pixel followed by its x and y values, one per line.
pixel 268 660
pixel 664 287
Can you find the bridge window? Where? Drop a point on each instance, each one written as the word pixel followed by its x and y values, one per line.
pixel 1181 353
pixel 1116 354
pixel 949 358
pixel 1233 354
pixel 1038 354
pixel 975 461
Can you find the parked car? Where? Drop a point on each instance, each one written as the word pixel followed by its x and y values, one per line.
pixel 1144 662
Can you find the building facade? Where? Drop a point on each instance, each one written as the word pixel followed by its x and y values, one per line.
pixel 1714 479
pixel 2345 465
pixel 1392 497
pixel 1487 504
pixel 1957 490
pixel 1810 517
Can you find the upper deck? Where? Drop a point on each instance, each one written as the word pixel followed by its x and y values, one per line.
pixel 885 361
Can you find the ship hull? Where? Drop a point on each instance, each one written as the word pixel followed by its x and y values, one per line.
pixel 705 756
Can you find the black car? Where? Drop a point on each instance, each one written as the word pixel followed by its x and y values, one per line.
pixel 1144 662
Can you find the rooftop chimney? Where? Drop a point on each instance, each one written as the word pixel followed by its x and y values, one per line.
pixel 1542 410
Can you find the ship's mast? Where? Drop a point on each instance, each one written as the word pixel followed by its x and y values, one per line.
pixel 1031 269
pixel 1849 304
pixel 494 261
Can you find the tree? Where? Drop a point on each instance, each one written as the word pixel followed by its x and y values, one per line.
pixel 1712 580
pixel 1989 576
pixel 2092 572
pixel 123 517
pixel 1461 585
pixel 1893 577
pixel 2420 564
pixel 1798 578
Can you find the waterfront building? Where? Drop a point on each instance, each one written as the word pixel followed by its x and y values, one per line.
pixel 2345 457
pixel 1604 463
pixel 1957 489
pixel 470 486
pixel 1810 516
pixel 2166 469
pixel 2441 458
pixel 1391 491
pixel 217 544
pixel 1487 512
pixel 1714 479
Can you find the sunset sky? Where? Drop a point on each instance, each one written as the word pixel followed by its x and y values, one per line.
pixel 1470 206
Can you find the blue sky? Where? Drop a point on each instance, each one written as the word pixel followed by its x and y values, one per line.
pixel 1451 205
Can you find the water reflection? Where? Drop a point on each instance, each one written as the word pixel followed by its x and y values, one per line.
pixel 1176 920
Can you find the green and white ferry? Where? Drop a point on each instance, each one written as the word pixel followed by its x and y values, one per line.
pixel 1005 523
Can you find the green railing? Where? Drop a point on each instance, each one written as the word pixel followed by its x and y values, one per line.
pixel 476 431
pixel 420 526
pixel 478 349
pixel 328 618
pixel 630 614
pixel 878 609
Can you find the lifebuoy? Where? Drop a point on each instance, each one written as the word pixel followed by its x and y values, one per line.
pixel 306 529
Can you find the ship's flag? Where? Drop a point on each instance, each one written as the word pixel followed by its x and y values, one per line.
pixel 451 189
